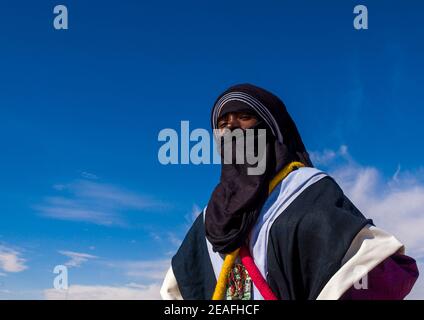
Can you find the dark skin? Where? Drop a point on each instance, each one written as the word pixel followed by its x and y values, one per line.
pixel 235 120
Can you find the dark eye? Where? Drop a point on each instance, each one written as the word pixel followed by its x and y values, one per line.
pixel 222 124
pixel 245 116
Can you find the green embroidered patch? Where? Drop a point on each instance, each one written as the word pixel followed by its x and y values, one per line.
pixel 239 284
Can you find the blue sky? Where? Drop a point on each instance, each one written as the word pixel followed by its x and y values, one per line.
pixel 80 111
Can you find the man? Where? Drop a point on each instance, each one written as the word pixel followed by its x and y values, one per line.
pixel 286 233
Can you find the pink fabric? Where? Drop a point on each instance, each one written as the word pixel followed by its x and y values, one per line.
pixel 392 279
pixel 256 275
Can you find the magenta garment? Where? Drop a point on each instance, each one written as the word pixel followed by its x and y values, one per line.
pixel 392 279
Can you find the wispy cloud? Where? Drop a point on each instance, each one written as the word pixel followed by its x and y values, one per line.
pixel 147 271
pixel 114 196
pixel 174 239
pixel 395 204
pixel 88 175
pixel 192 215
pixel 145 279
pixel 11 260
pixel 76 258
pixel 63 209
pixel 5 291
pixel 94 202
pixel 328 156
pixel 418 290
pixel 102 292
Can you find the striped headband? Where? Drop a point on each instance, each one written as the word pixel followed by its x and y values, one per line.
pixel 252 102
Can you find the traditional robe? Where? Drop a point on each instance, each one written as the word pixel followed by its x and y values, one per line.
pixel 309 242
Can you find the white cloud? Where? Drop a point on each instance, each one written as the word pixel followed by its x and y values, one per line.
pixel 174 239
pixel 148 271
pixel 114 196
pixel 191 217
pixel 74 212
pixel 395 204
pixel 149 275
pixel 155 236
pixel 76 258
pixel 169 239
pixel 327 156
pixel 94 202
pixel 10 260
pixel 100 292
pixel 417 292
pixel 88 175
pixel 5 291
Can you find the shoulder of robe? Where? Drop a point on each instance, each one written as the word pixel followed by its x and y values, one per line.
pixel 192 266
pixel 313 233
pixel 193 240
pixel 321 204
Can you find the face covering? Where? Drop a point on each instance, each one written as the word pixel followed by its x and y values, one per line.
pixel 237 200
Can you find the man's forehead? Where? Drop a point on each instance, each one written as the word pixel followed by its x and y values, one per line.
pixel 247 111
pixel 226 113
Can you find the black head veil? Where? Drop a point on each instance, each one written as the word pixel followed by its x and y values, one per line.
pixel 238 198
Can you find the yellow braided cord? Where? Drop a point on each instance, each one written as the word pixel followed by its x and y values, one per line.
pixel 221 284
pixel 283 173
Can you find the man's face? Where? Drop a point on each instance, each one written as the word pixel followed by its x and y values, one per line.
pixel 236 120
